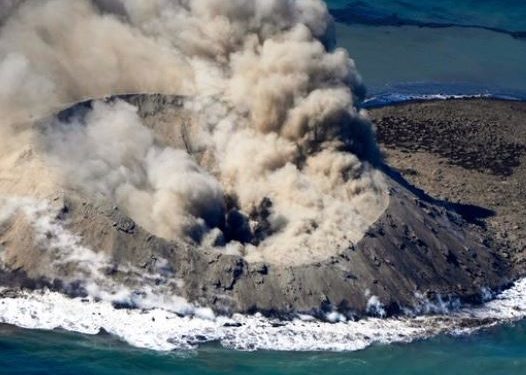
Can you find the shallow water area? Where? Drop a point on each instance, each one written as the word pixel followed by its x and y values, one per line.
pixel 497 14
pixel 415 60
pixel 424 47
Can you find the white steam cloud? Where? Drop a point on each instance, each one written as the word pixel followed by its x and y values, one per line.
pixel 285 167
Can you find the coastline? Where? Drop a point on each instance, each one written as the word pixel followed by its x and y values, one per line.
pixel 393 99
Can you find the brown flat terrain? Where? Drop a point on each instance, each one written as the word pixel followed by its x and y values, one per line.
pixel 468 152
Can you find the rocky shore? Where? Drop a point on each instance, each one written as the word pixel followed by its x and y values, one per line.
pixel 452 230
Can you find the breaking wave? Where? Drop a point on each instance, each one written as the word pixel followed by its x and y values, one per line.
pixel 164 329
pixel 395 98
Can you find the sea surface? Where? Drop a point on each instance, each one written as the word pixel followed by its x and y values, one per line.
pixel 404 49
pixel 430 47
pixel 496 351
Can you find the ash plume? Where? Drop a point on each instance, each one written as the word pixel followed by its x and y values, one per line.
pixel 287 166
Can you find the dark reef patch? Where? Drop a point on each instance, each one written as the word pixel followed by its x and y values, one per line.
pixel 359 12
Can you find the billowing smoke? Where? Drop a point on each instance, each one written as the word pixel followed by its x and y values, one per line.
pixel 55 52
pixel 112 154
pixel 285 171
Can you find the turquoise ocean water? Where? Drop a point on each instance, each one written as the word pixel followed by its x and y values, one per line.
pixel 498 351
pixel 402 48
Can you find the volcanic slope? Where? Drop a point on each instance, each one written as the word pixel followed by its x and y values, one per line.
pixel 420 250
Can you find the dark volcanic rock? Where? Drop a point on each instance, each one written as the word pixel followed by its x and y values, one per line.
pixel 419 245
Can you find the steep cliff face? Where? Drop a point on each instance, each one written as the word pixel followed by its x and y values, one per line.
pixel 416 250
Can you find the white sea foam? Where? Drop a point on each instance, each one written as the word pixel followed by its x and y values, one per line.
pixel 382 100
pixel 163 330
